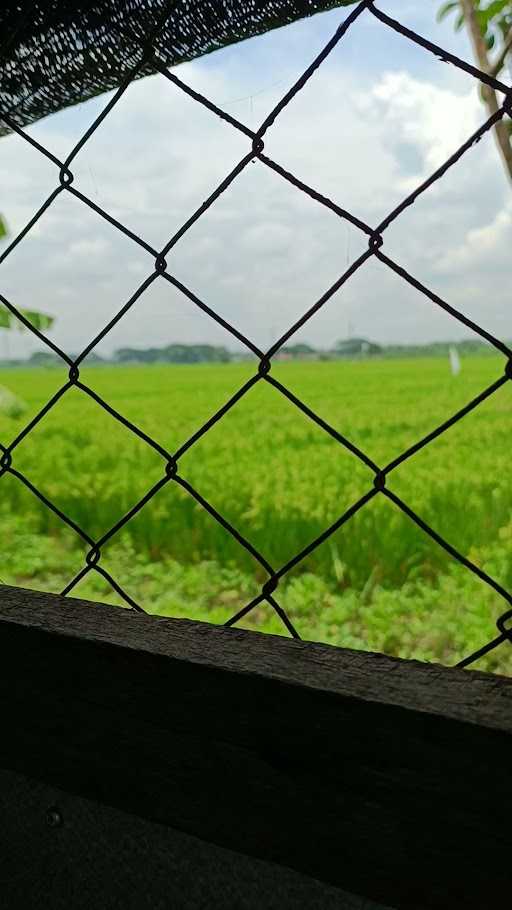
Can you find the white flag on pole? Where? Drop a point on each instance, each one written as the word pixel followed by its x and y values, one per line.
pixel 454 361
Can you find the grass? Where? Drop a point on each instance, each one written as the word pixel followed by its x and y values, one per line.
pixel 378 583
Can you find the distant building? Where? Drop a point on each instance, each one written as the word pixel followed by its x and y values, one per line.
pixel 350 347
pixel 299 351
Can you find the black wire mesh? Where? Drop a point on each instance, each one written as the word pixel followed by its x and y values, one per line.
pixel 160 271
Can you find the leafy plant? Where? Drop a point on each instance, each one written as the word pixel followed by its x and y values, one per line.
pixel 39 321
pixel 489 25
pixel 494 18
pixel 10 405
pixel 379 583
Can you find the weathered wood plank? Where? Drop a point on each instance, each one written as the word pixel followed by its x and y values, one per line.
pixel 383 777
pixel 99 858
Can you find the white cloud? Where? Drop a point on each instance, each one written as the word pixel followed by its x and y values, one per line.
pixel 434 120
pixel 482 245
pixel 264 252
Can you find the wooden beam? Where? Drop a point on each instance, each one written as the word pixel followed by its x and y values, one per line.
pixel 64 852
pixel 387 778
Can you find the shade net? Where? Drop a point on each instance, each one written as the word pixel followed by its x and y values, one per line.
pixel 55 53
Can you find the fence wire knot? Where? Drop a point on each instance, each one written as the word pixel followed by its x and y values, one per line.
pixel 151 56
pixel 270 586
pixel 264 366
pixel 65 177
pixel 5 461
pixel 507 632
pixel 375 241
pixel 160 264
pixel 171 468
pixel 93 557
pixel 379 481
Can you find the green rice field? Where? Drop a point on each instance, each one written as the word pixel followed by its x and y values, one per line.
pixel 378 584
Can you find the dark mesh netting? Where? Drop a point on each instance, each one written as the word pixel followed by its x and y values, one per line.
pixel 54 53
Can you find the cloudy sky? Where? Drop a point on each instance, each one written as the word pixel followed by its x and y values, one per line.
pixel 379 116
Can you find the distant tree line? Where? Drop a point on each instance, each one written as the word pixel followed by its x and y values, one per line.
pixel 174 353
pixel 438 348
pixel 362 347
pixel 348 348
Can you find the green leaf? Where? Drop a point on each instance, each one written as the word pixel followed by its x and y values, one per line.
pixel 491 16
pixel 3 228
pixel 496 7
pixel 40 321
pixel 446 9
pixel 483 20
pixel 5 318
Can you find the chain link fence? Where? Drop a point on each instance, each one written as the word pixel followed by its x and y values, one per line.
pixel 158 270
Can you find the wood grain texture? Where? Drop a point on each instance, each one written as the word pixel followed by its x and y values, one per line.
pixel 383 777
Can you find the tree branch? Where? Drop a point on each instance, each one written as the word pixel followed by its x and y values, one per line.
pixel 488 94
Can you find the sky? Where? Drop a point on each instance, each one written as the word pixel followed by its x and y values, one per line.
pixel 379 116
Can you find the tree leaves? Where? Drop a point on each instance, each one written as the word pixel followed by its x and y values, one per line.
pixel 40 321
pixel 494 19
pixel 446 9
